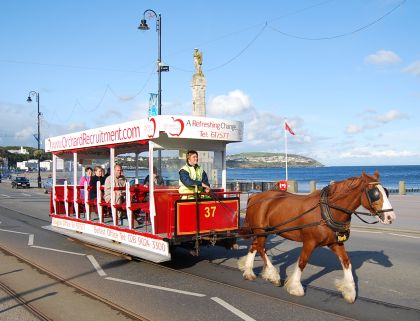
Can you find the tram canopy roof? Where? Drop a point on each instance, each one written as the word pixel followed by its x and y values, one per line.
pixel 165 131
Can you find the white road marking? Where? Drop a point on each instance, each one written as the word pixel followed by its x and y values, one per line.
pixel 232 309
pixel 31 240
pixel 413 237
pixel 96 265
pixel 4 195
pixel 55 250
pixel 24 194
pixel 16 232
pixel 155 287
pixel 362 231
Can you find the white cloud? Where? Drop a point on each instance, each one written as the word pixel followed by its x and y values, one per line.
pixel 414 68
pixel 234 103
pixel 389 116
pixel 383 57
pixel 24 133
pixel 368 152
pixel 354 129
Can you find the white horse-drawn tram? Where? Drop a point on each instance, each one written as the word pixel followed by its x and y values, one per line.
pixel 156 217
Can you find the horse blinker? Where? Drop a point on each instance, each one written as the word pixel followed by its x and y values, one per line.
pixel 373 194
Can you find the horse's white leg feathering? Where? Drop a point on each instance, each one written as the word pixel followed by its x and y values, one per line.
pixel 246 264
pixel 292 284
pixel 346 285
pixel 270 273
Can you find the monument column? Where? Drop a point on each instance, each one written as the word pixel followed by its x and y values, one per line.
pixel 198 86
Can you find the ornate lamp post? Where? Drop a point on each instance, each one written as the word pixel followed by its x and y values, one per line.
pixel 143 26
pixel 38 137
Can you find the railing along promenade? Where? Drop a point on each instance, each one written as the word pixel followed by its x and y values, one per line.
pixel 293 187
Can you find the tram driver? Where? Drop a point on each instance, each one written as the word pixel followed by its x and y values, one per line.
pixel 192 176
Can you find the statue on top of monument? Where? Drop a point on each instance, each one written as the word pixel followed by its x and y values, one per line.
pixel 198 61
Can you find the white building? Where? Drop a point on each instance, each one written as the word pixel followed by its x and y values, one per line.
pixel 32 164
pixel 22 151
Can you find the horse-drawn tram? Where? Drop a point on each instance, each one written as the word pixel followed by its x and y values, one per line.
pixel 139 220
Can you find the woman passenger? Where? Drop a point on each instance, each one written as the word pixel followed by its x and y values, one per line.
pixel 96 178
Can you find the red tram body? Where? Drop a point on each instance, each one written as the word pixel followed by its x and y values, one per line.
pixel 157 217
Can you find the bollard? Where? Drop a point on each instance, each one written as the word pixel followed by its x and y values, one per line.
pixel 312 186
pixel 237 187
pixel 402 190
pixel 292 186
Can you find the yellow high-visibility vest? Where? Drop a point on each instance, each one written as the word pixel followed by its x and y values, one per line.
pixel 195 174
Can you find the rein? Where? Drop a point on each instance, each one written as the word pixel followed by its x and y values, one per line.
pixel 327 218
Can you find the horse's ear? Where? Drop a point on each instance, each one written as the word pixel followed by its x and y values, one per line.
pixel 376 175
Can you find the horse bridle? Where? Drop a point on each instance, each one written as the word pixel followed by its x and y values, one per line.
pixel 373 194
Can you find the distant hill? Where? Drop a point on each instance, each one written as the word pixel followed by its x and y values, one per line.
pixel 263 160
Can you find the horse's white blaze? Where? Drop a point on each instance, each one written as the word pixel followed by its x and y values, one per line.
pixel 346 285
pixel 270 273
pixel 388 216
pixel 246 264
pixel 292 284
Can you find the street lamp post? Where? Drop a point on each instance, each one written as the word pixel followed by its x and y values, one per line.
pixel 38 137
pixel 143 26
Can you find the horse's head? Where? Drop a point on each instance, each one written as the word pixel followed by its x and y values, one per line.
pixel 375 199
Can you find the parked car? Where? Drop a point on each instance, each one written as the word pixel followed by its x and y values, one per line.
pixel 20 181
pixel 47 184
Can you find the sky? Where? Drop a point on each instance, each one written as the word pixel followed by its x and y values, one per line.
pixel 344 74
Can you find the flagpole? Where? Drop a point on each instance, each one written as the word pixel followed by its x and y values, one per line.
pixel 285 145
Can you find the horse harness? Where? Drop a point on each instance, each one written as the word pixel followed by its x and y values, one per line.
pixel 341 229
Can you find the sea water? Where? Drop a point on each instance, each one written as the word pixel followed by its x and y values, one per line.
pixel 390 176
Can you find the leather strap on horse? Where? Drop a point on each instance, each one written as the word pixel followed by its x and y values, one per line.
pixel 342 209
pixel 326 215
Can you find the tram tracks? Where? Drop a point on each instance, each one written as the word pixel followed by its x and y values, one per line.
pixel 23 303
pixel 80 290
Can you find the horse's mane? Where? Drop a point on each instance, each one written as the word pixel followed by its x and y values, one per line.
pixel 340 189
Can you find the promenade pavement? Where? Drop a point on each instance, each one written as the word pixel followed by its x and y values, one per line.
pixel 406 208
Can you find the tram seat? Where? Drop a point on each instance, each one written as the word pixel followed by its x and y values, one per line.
pixel 59 199
pixel 106 207
pixel 139 200
pixel 80 200
pixel 91 202
pixel 70 198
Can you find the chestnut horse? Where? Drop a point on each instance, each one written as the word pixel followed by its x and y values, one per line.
pixel 321 218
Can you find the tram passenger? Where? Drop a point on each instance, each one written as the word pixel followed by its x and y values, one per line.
pixel 95 178
pixel 192 175
pixel 85 178
pixel 119 181
pixel 157 179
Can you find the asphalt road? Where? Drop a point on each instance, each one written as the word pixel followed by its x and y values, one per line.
pixel 385 264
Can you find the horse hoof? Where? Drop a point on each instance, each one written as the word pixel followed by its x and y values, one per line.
pixel 249 276
pixel 294 288
pixel 271 275
pixel 350 298
pixel 276 282
pixel 297 292
pixel 347 290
